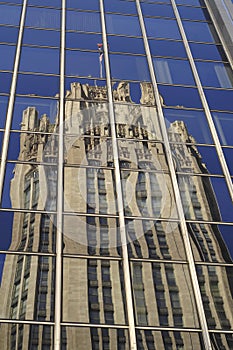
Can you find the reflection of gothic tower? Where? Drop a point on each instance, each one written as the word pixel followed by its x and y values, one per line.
pixel 93 289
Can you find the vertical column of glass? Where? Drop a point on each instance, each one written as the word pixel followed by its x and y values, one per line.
pixel 9 115
pixel 60 180
pixel 181 215
pixel 126 269
pixel 204 102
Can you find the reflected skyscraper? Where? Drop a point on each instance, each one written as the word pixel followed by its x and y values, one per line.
pixel 116 175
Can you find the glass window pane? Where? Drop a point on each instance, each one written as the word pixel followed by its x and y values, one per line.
pixel 37 85
pixel 83 5
pixel 5 82
pixel 228 152
pixel 82 41
pixel 51 3
pixel 42 17
pixel 162 28
pixel 160 10
pixel 215 74
pixel 83 21
pixel 9 34
pixel 168 340
pixel 10 14
pixel 208 51
pixel 7 54
pixel 220 99
pixel 200 31
pixel 39 60
pixel 224 124
pixel 124 44
pixel 118 6
pixel 180 97
pixel 129 67
pixel 83 64
pixel 3 110
pixel 41 37
pixel 19 273
pixel 154 285
pixel 169 71
pixel 193 13
pixel 193 123
pixel 97 283
pixel 118 24
pixel 89 338
pixel 167 48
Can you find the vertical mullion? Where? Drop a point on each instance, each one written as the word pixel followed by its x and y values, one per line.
pixel 9 116
pixel 184 231
pixel 126 267
pixel 60 180
pixel 204 102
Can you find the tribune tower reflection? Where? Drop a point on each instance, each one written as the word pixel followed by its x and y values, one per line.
pixel 93 288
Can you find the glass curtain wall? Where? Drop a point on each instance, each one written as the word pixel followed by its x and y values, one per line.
pixel 115 176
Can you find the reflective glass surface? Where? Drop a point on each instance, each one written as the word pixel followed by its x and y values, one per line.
pixel 43 17
pixel 162 28
pixel 41 60
pixel 10 14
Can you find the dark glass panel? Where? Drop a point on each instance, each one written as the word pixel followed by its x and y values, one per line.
pixel 215 74
pixel 154 239
pixel 205 198
pixel 169 71
pixel 7 54
pixel 87 64
pixel 27 288
pixel 119 6
pixel 191 2
pixel 5 82
pixel 91 235
pixel 212 243
pixel 208 51
pixel 126 25
pixel 200 31
pixel 129 67
pixel 160 10
pixel 37 85
pixel 124 44
pixel 228 152
pixel 162 292
pixel 39 60
pixel 28 112
pixel 9 34
pixel 83 21
pixel 10 14
pixel 3 110
pixel 219 99
pixel 193 124
pixel 149 339
pixel 30 186
pixel 97 291
pixel 41 37
pixel 91 338
pixel 193 13
pixel 167 48
pixel 50 3
pixel 216 289
pixel 224 123
pixel 83 5
pixel 207 158
pixel 180 96
pixel 28 232
pixel 43 18
pixel 162 28
pixel 82 41
pixel 28 335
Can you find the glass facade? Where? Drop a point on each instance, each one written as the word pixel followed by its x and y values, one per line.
pixel 115 176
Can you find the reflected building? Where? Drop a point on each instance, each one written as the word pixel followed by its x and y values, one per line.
pixel 93 290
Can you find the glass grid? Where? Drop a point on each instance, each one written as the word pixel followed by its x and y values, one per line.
pixel 115 176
